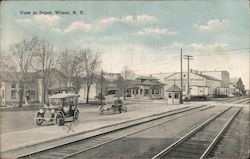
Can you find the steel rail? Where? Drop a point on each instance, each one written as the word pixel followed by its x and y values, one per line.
pixel 118 138
pixel 216 139
pixel 192 132
pixel 166 114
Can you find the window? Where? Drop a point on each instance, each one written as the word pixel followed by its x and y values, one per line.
pixel 153 91
pixel 13 85
pixel 32 95
pixel 146 91
pixel 140 91
pixel 136 91
pixel 176 95
pixel 133 91
pixel 157 91
pixel 169 95
pixel 13 94
pixel 3 94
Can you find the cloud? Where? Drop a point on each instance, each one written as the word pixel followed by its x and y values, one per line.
pixel 145 18
pixel 155 31
pixel 40 19
pixel 212 25
pixel 108 21
pixel 207 47
pixel 53 22
pixel 24 21
pixel 49 19
pixel 139 18
pixel 77 26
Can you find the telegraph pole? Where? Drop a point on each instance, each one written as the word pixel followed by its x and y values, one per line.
pixel 188 57
pixel 101 86
pixel 181 101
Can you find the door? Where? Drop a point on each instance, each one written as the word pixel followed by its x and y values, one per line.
pixel 170 98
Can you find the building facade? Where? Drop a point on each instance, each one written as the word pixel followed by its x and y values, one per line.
pixel 195 79
pixel 238 88
pixel 9 89
pixel 145 87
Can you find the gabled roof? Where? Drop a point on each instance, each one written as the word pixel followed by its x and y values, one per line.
pixel 11 76
pixel 134 83
pixel 235 80
pixel 208 77
pixel 201 75
pixel 146 77
pixel 174 88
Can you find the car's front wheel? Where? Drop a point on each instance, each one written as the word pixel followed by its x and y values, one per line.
pixel 76 116
pixel 39 119
pixel 57 117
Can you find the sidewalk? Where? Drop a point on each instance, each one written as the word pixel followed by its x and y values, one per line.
pixel 20 139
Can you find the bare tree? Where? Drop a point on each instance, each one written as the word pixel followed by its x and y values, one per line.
pixel 70 66
pixel 90 60
pixel 19 62
pixel 44 60
pixel 127 74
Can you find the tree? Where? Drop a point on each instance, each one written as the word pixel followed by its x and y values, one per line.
pixel 69 65
pixel 43 61
pixel 19 63
pixel 127 75
pixel 90 63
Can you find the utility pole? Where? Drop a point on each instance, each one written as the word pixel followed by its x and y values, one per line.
pixel 181 101
pixel 101 96
pixel 188 57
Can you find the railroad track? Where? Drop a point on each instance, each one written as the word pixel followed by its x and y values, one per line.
pixel 234 144
pixel 80 145
pixel 201 140
pixel 244 101
pixel 235 100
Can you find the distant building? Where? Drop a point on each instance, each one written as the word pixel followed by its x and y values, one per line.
pixel 9 89
pixel 173 95
pixel 9 86
pixel 93 92
pixel 218 82
pixel 114 83
pixel 145 87
pixel 195 79
pixel 238 86
pixel 224 76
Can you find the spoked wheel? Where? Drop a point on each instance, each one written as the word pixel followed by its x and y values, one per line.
pixel 125 109
pixel 39 119
pixel 101 111
pixel 57 117
pixel 113 110
pixel 76 115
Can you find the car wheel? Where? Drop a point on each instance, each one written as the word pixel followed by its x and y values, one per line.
pixel 125 109
pixel 113 110
pixel 39 119
pixel 101 111
pixel 57 117
pixel 76 116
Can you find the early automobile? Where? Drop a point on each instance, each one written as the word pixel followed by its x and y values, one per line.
pixel 112 104
pixel 61 106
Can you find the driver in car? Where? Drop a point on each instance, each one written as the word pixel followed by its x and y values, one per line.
pixel 118 103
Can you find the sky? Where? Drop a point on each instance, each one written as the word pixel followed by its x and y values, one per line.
pixel 146 36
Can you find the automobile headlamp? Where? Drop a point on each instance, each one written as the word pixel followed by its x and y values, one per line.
pixel 41 111
pixel 53 111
